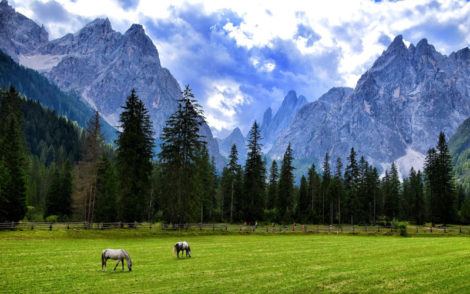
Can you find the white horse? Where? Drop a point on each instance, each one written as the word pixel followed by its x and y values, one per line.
pixel 182 246
pixel 116 254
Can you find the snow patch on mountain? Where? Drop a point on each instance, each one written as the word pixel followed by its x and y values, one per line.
pixel 40 62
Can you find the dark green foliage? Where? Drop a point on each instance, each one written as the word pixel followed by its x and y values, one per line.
pixel 440 184
pixel 59 196
pixel 271 197
pixel 326 198
pixel 13 158
pixel 303 207
pixel 206 180
pixel 134 160
pixel 351 181
pixel 336 193
pixel 412 204
pixel 391 193
pixel 254 179
pixel 36 87
pixel 181 149
pixel 285 203
pixel 314 191
pixel 106 191
pixel 231 186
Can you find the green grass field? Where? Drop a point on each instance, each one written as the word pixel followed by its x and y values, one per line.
pixel 69 261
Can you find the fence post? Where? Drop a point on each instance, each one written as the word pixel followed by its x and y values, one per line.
pixel 50 227
pixel 213 227
pixel 445 229
pixel 32 226
pixel 460 229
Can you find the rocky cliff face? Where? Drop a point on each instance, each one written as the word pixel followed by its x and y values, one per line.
pixel 19 34
pixel 273 125
pixel 99 64
pixel 236 137
pixel 395 112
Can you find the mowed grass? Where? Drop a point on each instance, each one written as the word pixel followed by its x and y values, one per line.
pixel 68 262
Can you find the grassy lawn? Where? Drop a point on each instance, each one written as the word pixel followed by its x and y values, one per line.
pixel 67 261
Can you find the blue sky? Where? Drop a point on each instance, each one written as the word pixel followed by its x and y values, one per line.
pixel 241 57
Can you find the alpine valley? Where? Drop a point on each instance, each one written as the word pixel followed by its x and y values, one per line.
pixel 394 114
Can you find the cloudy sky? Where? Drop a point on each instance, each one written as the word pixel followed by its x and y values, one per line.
pixel 242 56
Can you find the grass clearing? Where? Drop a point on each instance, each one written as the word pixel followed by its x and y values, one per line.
pixel 69 261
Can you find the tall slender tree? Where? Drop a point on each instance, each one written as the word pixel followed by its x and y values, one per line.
pixel 351 181
pixel 231 186
pixel 285 204
pixel 271 200
pixel 254 185
pixel 313 191
pixel 440 182
pixel 327 201
pixel 134 160
pixel 181 149
pixel 304 201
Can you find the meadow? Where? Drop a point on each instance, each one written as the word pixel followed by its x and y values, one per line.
pixel 69 262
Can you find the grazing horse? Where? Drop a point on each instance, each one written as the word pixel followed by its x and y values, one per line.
pixel 116 254
pixel 182 246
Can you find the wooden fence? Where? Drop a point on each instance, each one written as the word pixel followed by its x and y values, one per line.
pixel 222 227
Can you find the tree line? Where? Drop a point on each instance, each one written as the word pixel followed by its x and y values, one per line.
pixel 128 182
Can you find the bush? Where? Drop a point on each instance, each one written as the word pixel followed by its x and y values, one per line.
pixel 52 218
pixel 401 226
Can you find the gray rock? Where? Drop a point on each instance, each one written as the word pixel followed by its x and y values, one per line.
pixel 395 113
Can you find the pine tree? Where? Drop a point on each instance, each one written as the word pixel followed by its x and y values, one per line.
pixel 180 153
pixel 106 191
pixel 272 186
pixel 351 181
pixel 337 190
pixel 231 186
pixel 254 178
pixel 285 203
pixel 59 196
pixel 134 160
pixel 440 182
pixel 313 191
pixel 304 201
pixel 391 193
pixel 205 186
pixel 326 202
pixel 12 155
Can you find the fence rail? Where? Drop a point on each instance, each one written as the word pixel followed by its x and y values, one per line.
pixel 222 227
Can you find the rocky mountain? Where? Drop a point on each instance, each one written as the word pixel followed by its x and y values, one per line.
pixel 19 34
pixel 236 137
pixel 101 65
pixel 38 88
pixel 395 112
pixel 273 125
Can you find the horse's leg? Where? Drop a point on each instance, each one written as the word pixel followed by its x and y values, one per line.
pixel 117 265
pixel 122 263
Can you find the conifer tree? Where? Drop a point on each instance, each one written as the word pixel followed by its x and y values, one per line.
pixel 181 150
pixel 106 190
pixel 285 204
pixel 231 186
pixel 392 193
pixel 59 196
pixel 271 200
pixel 313 191
pixel 326 202
pixel 441 186
pixel 337 190
pixel 12 156
pixel 304 201
pixel 254 185
pixel 134 160
pixel 351 181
